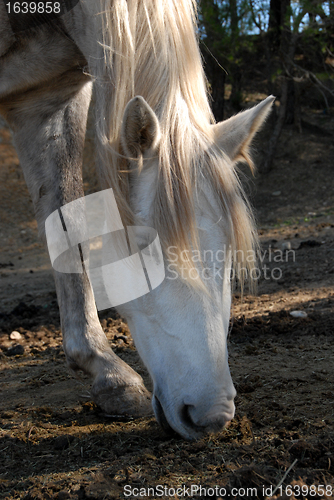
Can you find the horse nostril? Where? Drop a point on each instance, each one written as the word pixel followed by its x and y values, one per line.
pixel 160 415
pixel 185 417
pixel 187 420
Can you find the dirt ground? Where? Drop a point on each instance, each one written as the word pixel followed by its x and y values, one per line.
pixel 54 442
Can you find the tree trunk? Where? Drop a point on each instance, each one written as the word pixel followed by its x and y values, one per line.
pixel 236 92
pixel 216 76
pixel 275 23
pixel 234 21
pixel 236 95
pixel 267 164
pixel 213 63
pixel 290 107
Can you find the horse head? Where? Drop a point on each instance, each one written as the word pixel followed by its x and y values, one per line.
pixel 180 329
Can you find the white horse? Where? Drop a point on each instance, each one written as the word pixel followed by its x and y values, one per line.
pixel 170 167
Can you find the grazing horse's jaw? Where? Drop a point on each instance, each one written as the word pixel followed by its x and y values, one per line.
pixel 183 344
pixel 180 331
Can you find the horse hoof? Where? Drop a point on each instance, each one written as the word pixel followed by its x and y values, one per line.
pixel 124 400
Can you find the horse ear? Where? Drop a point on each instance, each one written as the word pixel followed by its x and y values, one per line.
pixel 235 134
pixel 140 129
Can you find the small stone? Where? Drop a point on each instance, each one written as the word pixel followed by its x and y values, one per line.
pixel 286 245
pixel 15 335
pixel 298 314
pixel 122 337
pixel 16 350
pixel 276 193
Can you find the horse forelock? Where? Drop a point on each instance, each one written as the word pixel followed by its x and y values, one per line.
pixel 150 49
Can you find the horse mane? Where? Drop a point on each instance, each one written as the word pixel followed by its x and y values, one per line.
pixel 150 49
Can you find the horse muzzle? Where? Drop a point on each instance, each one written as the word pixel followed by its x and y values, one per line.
pixel 185 419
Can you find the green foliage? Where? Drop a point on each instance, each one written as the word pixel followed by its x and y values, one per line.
pixel 224 28
pixel 235 32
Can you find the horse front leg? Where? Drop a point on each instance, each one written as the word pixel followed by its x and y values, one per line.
pixel 49 127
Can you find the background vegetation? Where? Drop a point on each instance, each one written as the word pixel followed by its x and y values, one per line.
pixel 280 47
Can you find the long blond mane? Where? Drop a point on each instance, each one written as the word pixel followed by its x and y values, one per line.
pixel 150 49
